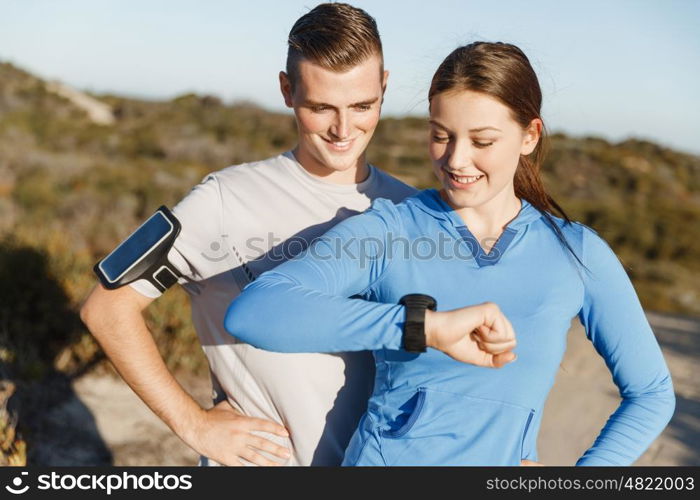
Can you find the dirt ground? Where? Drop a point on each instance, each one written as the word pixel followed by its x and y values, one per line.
pixel 106 423
pixel 584 396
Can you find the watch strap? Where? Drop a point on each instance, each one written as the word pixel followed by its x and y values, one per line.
pixel 414 326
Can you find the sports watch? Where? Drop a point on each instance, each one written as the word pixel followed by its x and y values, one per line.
pixel 414 326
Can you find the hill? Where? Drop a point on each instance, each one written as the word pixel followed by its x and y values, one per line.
pixel 73 185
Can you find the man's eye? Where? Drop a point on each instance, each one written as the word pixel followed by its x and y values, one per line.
pixel 319 109
pixel 363 107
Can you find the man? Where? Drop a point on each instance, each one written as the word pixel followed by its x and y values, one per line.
pixel 246 219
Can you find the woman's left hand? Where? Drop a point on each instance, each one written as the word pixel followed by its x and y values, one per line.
pixel 530 463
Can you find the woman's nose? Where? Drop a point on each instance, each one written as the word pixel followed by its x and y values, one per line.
pixel 460 155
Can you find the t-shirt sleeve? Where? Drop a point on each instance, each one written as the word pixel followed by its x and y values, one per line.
pixel 305 304
pixel 195 250
pixel 616 325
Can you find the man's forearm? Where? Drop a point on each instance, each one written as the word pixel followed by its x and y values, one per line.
pixel 115 319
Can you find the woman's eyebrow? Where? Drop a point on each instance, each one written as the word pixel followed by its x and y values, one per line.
pixel 438 124
pixel 481 129
pixel 477 129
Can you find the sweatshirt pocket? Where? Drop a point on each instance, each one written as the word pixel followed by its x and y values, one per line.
pixel 445 428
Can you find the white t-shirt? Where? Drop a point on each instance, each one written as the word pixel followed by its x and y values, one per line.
pixel 244 220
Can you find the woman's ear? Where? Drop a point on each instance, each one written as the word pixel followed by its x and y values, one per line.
pixel 531 136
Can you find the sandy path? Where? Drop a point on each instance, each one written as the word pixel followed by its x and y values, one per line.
pixel 133 433
pixel 584 396
pixel 578 406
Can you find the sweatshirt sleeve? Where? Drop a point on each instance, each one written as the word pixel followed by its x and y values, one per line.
pixel 616 325
pixel 305 304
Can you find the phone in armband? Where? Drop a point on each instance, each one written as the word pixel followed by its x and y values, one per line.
pixel 143 255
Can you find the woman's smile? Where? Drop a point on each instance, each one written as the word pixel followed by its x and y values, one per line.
pixel 462 181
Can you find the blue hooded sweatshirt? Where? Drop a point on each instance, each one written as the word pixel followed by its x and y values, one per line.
pixel 341 294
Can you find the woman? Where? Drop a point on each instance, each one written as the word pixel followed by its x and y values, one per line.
pixel 488 235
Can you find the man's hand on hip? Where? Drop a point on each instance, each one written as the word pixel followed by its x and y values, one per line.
pixel 225 435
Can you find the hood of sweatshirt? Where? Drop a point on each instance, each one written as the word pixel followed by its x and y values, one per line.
pixel 430 202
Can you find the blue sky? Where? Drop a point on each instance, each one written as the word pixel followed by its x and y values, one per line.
pixel 609 68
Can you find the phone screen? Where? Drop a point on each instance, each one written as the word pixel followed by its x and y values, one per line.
pixel 132 250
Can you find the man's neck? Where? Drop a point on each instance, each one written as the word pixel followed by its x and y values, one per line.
pixel 353 175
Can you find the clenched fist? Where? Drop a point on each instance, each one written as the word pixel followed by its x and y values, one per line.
pixel 480 334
